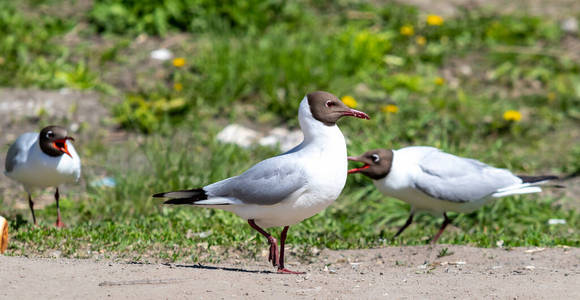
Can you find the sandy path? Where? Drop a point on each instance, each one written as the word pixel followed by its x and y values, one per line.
pixel 375 273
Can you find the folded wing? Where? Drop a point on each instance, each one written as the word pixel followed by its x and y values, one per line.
pixel 456 179
pixel 267 183
pixel 18 152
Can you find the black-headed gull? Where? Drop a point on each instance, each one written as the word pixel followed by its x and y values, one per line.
pixel 288 188
pixel 45 159
pixel 432 180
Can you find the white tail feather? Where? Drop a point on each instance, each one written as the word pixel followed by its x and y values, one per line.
pixel 523 189
pixel 218 201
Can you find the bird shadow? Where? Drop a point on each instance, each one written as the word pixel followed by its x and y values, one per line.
pixel 203 267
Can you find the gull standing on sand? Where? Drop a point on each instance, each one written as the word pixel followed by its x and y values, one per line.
pixel 43 160
pixel 288 188
pixel 432 180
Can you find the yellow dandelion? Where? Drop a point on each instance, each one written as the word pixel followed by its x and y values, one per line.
pixel 421 40
pixel 551 96
pixel 407 30
pixel 178 86
pixel 179 62
pixel 390 109
pixel 349 101
pixel 439 81
pixel 435 20
pixel 512 115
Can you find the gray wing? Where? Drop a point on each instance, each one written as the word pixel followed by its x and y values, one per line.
pixel 268 182
pixel 18 152
pixel 456 179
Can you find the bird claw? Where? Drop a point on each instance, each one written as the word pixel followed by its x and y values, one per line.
pixel 286 271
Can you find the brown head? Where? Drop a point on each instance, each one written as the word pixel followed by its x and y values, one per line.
pixel 52 141
pixel 377 163
pixel 327 108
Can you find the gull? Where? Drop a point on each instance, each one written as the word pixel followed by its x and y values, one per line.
pixel 288 188
pixel 434 181
pixel 41 160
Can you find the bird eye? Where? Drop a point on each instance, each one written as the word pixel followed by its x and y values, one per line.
pixel 330 103
pixel 50 134
pixel 375 158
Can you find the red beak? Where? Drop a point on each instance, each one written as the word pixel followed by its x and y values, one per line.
pixel 356 113
pixel 356 170
pixel 61 145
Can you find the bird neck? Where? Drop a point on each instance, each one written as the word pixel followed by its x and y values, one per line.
pixel 316 132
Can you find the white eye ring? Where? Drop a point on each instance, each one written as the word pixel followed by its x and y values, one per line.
pixel 50 134
pixel 375 158
pixel 329 103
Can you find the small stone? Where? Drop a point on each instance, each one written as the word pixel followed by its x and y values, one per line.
pixel 239 135
pixel 556 222
pixel 161 54
pixel 535 250
pixel 569 25
pixel 465 70
pixel 499 244
pixel 283 138
pixel 56 254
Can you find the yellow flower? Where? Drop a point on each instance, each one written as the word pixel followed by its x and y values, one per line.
pixel 439 81
pixel 421 40
pixel 434 20
pixel 551 96
pixel 178 86
pixel 391 108
pixel 179 62
pixel 407 30
pixel 512 115
pixel 349 101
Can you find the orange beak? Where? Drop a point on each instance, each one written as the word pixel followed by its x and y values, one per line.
pixel 61 145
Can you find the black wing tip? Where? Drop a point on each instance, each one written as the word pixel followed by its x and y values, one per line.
pixel 534 179
pixel 189 197
pixel 179 201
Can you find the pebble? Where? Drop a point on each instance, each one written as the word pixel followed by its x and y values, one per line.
pixel 245 137
pixel 239 135
pixel 569 25
pixel 161 54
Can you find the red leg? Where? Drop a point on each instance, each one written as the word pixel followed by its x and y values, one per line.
pixel 281 268
pixel 446 222
pixel 31 205
pixel 59 224
pixel 273 257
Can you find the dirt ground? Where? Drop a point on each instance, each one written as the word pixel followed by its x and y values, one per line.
pixel 394 272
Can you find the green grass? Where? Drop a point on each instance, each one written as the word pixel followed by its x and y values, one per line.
pixel 126 223
pixel 254 63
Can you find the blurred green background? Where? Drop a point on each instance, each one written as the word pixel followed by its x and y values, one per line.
pixel 503 88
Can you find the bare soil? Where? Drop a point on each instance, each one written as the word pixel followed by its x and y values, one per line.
pixel 394 272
